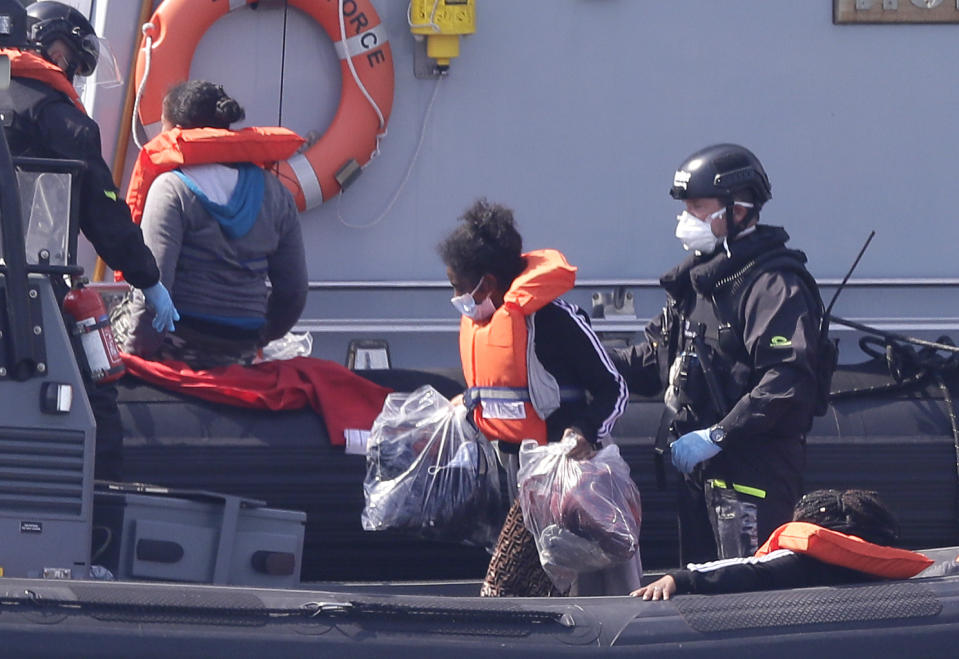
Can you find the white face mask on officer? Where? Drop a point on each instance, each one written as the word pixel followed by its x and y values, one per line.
pixel 696 234
pixel 467 306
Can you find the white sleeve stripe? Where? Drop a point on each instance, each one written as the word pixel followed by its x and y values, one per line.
pixel 620 406
pixel 746 560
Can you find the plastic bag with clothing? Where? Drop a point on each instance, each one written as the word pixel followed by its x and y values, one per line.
pixel 584 515
pixel 430 472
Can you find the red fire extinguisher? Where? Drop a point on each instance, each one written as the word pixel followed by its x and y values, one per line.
pixel 92 325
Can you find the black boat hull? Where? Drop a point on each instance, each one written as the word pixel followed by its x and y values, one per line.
pixel 897 443
pixel 912 618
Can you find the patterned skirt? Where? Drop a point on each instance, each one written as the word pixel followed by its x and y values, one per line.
pixel 515 570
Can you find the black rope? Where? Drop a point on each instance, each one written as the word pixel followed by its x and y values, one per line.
pixel 951 408
pixel 944 343
pixel 909 367
pixel 890 353
pixel 286 12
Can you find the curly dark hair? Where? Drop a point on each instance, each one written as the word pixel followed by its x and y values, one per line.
pixel 486 242
pixel 856 512
pixel 201 104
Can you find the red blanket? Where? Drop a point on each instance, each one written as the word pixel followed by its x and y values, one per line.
pixel 342 398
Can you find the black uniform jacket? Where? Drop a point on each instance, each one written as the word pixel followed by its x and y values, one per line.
pixel 46 124
pixel 769 373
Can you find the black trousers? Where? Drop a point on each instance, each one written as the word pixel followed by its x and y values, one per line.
pixel 109 452
pixel 718 520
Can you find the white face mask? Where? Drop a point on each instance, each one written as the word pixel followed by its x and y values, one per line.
pixel 467 306
pixel 696 234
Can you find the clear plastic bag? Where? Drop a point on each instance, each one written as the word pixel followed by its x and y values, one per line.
pixel 288 346
pixel 584 515
pixel 430 472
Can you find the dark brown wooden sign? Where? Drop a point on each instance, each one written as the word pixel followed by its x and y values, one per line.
pixel 895 11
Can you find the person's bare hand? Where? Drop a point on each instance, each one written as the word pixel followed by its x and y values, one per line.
pixel 661 589
pixel 457 399
pixel 583 450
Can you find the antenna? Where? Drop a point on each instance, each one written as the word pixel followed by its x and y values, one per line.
pixel 848 274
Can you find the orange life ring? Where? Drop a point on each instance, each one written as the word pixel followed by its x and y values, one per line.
pixel 177 27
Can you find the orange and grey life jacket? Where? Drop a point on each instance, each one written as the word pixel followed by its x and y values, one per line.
pixel 27 64
pixel 845 550
pixel 510 391
pixel 174 148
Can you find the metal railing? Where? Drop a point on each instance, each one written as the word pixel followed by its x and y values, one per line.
pixel 624 324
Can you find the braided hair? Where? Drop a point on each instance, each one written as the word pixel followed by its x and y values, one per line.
pixel 855 512
pixel 486 242
pixel 201 104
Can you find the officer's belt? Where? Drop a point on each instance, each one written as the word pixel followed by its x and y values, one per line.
pixel 742 489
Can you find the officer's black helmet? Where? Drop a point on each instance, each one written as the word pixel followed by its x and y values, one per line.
pixel 721 171
pixel 48 21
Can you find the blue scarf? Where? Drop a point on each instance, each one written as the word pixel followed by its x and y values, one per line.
pixel 239 214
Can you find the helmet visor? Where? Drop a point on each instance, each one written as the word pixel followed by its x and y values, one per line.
pixel 107 72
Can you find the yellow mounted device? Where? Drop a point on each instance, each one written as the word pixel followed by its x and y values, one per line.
pixel 442 22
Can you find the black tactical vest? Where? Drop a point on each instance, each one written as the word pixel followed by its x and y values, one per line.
pixel 711 303
pixel 20 106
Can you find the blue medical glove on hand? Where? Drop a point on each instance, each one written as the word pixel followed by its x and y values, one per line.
pixel 693 448
pixel 165 313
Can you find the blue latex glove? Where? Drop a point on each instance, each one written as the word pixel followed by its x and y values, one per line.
pixel 691 449
pixel 165 313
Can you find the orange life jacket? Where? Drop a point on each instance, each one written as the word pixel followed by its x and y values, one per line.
pixel 845 550
pixel 27 64
pixel 262 146
pixel 494 352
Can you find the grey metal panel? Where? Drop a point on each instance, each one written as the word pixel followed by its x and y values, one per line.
pixel 46 463
pixel 415 316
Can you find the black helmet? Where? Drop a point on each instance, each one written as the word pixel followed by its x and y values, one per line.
pixel 48 21
pixel 721 171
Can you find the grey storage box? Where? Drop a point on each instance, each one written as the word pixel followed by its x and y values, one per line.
pixel 147 532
